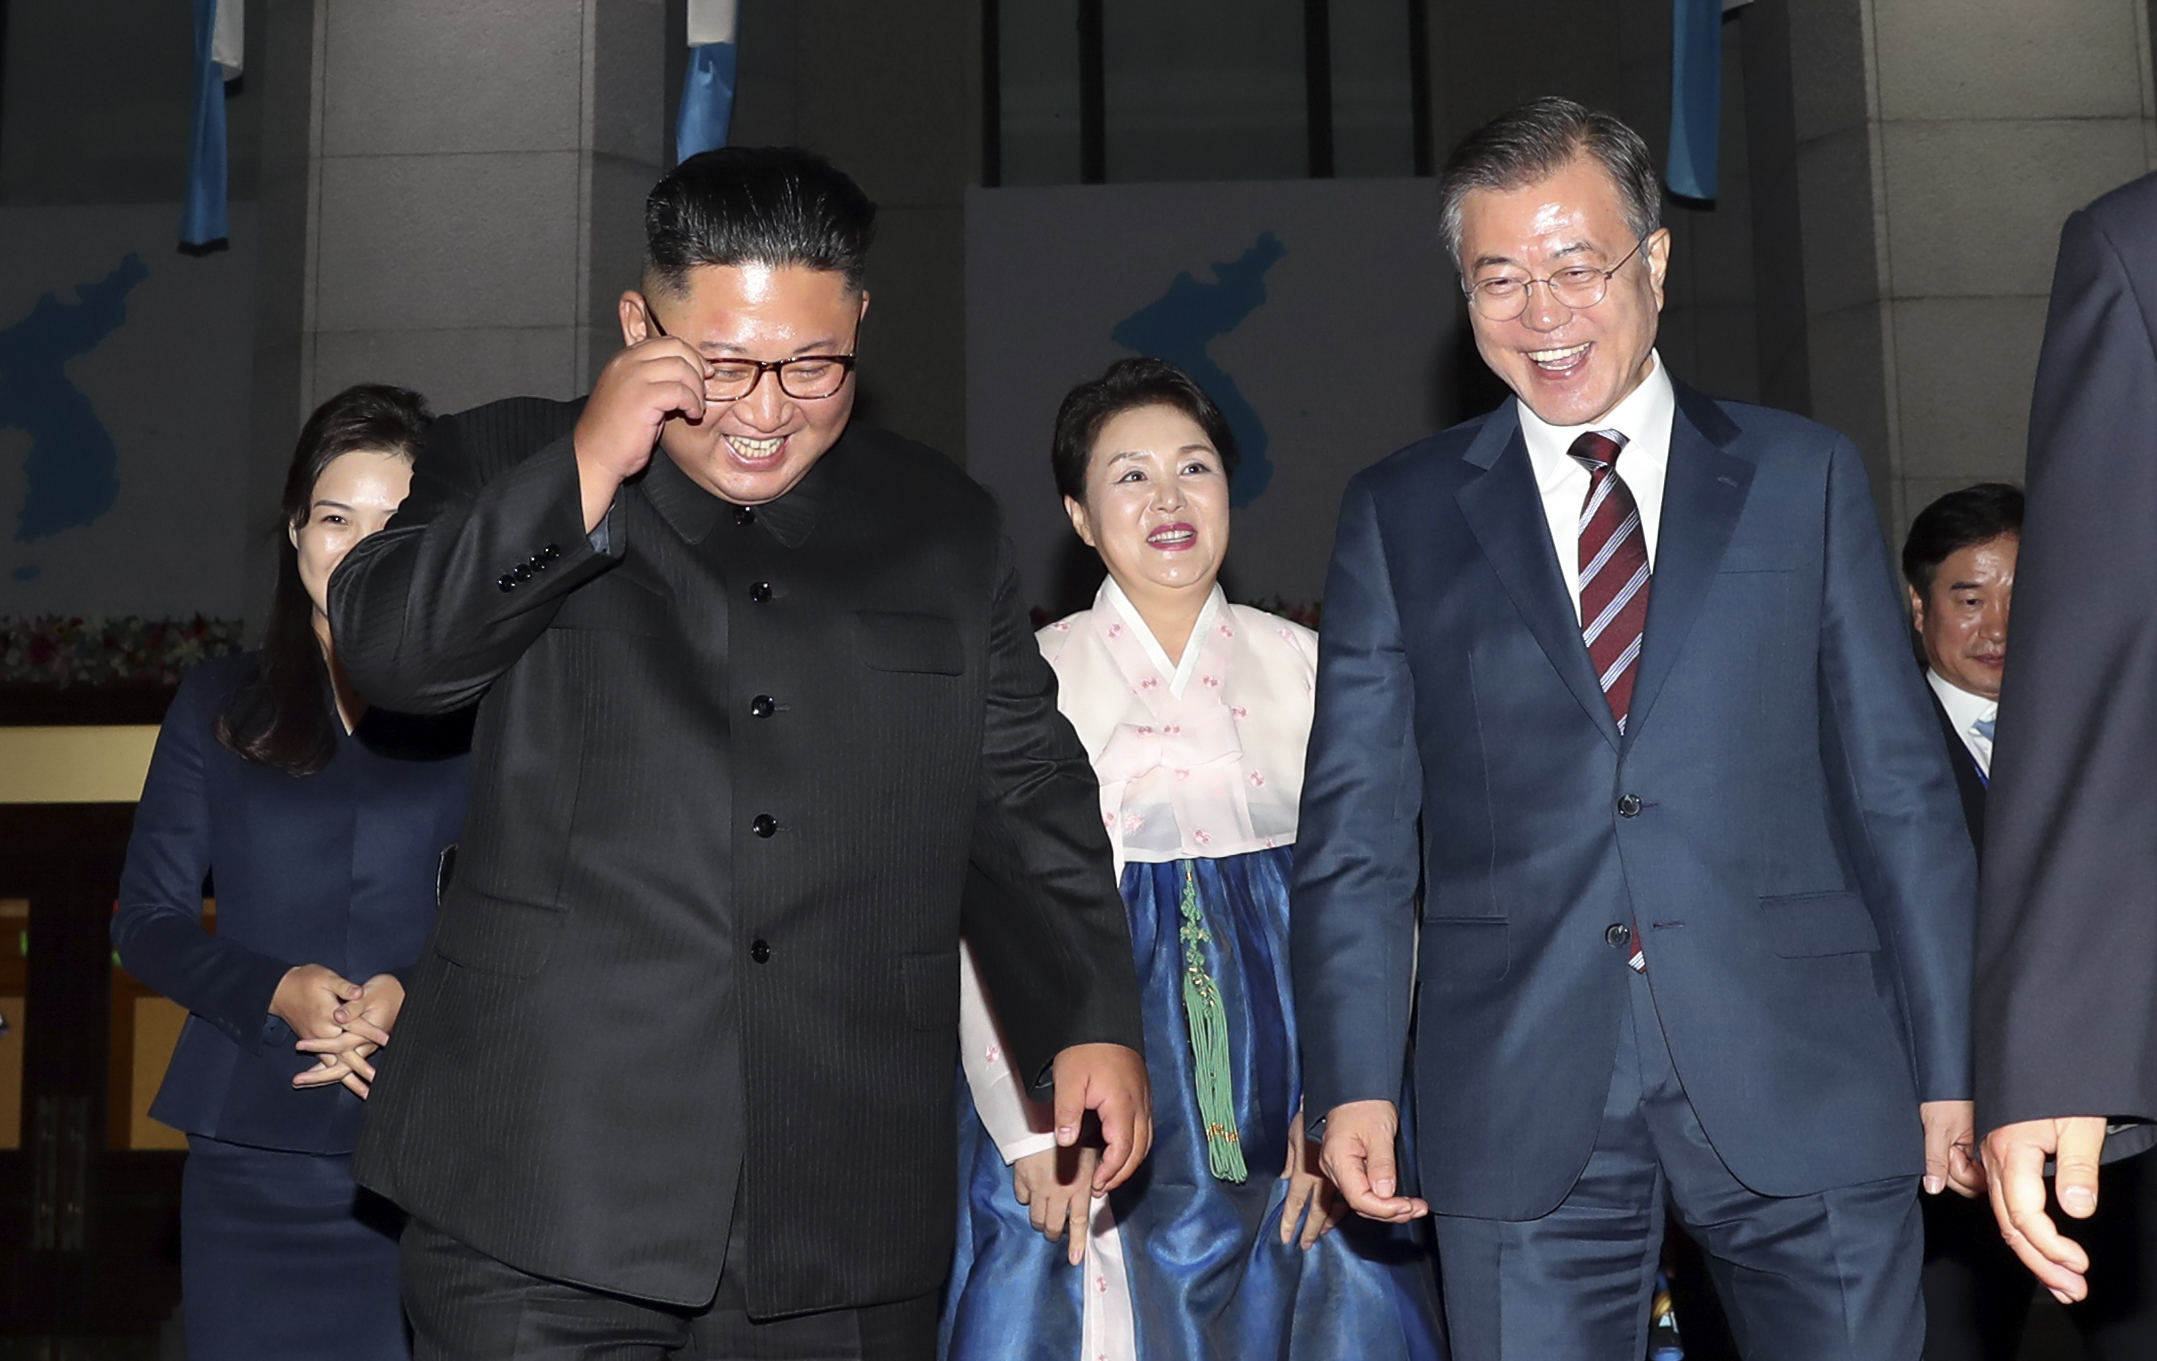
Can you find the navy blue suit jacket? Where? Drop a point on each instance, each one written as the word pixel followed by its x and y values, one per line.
pixel 335 868
pixel 1796 860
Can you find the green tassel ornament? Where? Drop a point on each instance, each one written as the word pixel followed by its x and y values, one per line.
pixel 1209 1042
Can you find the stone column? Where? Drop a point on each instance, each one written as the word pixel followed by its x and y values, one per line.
pixel 1938 145
pixel 451 199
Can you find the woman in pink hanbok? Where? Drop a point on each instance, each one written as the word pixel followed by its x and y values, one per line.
pixel 1195 713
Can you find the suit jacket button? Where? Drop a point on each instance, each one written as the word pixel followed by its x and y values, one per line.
pixel 522 572
pixel 549 553
pixel 759 951
pixel 763 706
pixel 745 515
pixel 765 825
pixel 506 582
pixel 1618 936
pixel 1629 806
pixel 759 592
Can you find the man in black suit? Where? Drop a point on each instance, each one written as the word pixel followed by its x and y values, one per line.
pixel 756 689
pixel 1959 565
pixel 2066 997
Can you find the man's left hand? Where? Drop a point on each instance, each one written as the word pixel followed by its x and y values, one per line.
pixel 1110 1081
pixel 1951 1148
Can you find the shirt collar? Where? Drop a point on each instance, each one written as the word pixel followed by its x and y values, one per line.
pixel 1644 418
pixel 1963 708
pixel 1112 596
pixel 693 512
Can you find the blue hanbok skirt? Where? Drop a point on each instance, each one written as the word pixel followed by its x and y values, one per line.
pixel 1210 1279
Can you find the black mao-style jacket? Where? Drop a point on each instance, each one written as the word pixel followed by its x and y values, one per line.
pixel 697 970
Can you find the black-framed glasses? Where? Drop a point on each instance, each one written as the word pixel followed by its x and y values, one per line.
pixel 805 378
pixel 1505 297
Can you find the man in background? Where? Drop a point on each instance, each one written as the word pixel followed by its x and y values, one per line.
pixel 1959 565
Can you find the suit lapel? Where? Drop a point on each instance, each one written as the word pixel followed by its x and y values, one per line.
pixel 1504 509
pixel 1703 494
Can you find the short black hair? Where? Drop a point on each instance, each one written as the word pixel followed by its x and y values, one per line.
pixel 1958 520
pixel 771 206
pixel 1127 385
pixel 1529 144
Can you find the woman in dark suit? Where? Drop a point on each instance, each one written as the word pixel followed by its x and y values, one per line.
pixel 325 826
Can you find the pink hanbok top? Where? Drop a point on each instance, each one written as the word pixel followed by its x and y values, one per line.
pixel 1197 760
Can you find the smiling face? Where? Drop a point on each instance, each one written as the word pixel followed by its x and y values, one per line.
pixel 1156 506
pixel 1569 366
pixel 354 496
pixel 1962 620
pixel 756 448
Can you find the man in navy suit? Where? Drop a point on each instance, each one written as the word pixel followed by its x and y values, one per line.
pixel 1616 682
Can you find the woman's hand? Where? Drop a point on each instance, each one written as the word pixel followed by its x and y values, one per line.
pixel 308 998
pixel 342 1059
pixel 373 1012
pixel 1308 1186
pixel 365 1021
pixel 1056 1185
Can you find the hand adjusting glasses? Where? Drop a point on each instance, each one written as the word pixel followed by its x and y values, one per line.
pixel 1503 297
pixel 805 378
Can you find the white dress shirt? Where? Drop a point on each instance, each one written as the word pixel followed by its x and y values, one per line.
pixel 1965 710
pixel 1644 419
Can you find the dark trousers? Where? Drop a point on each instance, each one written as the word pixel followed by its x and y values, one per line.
pixel 466 1306
pixel 1978 1293
pixel 1826 1277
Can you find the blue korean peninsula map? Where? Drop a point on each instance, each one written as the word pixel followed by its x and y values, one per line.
pixel 72 468
pixel 1181 323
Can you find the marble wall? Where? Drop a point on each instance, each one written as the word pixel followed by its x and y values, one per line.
pixel 1938 145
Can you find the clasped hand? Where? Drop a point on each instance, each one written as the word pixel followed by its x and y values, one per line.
pixel 341 1022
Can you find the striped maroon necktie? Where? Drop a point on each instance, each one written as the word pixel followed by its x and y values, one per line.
pixel 1613 570
pixel 1613 588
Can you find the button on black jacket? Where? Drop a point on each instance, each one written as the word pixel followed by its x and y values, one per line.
pixel 728 779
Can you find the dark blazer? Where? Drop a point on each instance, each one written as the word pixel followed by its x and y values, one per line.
pixel 335 868
pixel 697 972
pixel 2067 935
pixel 1969 780
pixel 1777 818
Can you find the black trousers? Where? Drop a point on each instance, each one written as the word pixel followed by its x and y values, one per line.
pixel 466 1306
pixel 1978 1293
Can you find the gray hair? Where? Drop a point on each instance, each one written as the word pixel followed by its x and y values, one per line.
pixel 1527 145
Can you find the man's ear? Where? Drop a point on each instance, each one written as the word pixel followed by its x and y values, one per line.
pixel 636 316
pixel 1917 609
pixel 1076 509
pixel 1658 252
pixel 863 314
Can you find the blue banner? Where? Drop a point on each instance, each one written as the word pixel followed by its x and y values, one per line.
pixel 202 220
pixel 707 100
pixel 1696 96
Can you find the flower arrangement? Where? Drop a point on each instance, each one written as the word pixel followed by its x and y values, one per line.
pixel 60 651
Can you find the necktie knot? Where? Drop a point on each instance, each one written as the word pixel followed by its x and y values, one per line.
pixel 1983 727
pixel 1598 450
